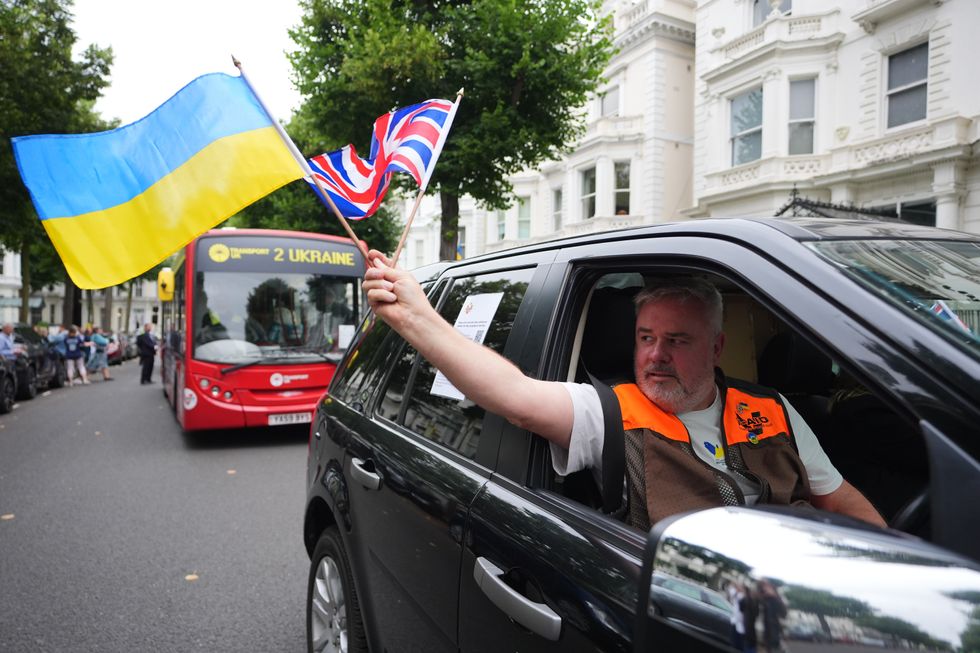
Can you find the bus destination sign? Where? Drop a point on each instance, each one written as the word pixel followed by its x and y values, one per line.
pixel 241 253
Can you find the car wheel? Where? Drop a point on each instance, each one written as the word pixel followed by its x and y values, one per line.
pixel 7 392
pixel 60 375
pixel 333 613
pixel 29 389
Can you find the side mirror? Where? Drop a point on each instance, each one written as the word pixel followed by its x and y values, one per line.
pixel 724 578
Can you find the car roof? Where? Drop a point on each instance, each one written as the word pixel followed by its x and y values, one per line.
pixel 755 230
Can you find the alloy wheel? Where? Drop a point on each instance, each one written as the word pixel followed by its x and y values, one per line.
pixel 329 609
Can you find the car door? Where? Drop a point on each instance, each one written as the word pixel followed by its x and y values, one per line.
pixel 413 470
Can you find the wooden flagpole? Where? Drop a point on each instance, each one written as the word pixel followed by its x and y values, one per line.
pixel 304 164
pixel 428 173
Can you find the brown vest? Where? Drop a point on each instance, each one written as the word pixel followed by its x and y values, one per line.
pixel 667 477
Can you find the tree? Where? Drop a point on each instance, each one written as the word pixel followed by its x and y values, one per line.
pixel 42 90
pixel 527 67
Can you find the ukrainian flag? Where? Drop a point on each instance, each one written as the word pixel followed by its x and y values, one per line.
pixel 116 203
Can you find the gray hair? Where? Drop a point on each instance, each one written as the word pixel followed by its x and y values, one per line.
pixel 684 289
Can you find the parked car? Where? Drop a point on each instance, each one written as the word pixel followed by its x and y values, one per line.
pixel 130 351
pixel 114 350
pixel 434 525
pixel 39 365
pixel 8 385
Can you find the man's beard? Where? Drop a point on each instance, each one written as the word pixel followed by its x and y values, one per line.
pixel 676 396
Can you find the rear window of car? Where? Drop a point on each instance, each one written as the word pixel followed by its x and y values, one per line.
pixel 423 400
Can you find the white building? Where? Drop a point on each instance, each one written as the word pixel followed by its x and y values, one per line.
pixel 633 164
pixel 870 102
pixel 9 286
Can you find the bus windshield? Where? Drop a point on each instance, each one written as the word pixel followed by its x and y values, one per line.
pixel 280 313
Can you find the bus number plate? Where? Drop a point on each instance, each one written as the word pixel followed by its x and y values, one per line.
pixel 290 418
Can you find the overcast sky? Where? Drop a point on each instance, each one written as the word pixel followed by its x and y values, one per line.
pixel 161 46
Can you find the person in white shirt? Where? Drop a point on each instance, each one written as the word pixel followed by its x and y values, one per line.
pixel 672 416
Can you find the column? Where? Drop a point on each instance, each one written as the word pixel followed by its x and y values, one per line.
pixel 949 189
pixel 604 187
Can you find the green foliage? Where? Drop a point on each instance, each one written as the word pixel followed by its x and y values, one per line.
pixel 526 66
pixel 42 90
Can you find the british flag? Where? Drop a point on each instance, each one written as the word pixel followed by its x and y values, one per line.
pixel 404 140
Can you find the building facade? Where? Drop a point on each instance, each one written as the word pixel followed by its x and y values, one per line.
pixel 865 102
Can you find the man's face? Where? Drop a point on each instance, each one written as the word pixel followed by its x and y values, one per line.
pixel 676 353
pixel 8 328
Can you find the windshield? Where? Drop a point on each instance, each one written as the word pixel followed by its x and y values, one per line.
pixel 936 281
pixel 282 318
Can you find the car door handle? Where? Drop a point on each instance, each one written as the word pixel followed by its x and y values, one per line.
pixel 368 479
pixel 536 617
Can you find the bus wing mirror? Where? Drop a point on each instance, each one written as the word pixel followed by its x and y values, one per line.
pixel 165 285
pixel 830 579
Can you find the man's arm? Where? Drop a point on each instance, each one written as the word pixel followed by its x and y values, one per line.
pixel 847 500
pixel 478 372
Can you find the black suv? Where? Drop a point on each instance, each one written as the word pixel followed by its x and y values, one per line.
pixel 39 365
pixel 433 525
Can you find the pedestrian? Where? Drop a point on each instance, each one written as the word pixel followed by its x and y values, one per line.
pixel 146 345
pixel 773 611
pixel 99 362
pixel 74 356
pixel 7 341
pixel 749 607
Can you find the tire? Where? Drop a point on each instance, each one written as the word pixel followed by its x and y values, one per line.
pixel 60 375
pixel 333 612
pixel 29 389
pixel 8 390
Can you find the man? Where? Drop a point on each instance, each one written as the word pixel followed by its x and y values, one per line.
pixel 676 408
pixel 146 346
pixel 7 341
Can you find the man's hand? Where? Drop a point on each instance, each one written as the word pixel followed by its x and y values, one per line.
pixel 397 298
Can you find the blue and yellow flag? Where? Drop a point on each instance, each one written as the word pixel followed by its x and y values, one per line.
pixel 116 203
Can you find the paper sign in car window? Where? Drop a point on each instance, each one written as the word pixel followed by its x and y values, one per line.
pixel 473 321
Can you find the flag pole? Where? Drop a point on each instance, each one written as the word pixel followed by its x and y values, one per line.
pixel 437 150
pixel 301 160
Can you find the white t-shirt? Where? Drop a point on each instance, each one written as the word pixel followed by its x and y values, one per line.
pixel 704 426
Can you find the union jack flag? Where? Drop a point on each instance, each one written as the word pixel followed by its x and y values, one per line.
pixel 404 140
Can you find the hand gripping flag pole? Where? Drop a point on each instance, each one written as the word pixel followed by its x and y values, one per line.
pixel 305 165
pixel 437 150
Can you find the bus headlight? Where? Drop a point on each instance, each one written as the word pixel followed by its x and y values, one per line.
pixel 215 391
pixel 227 395
pixel 204 383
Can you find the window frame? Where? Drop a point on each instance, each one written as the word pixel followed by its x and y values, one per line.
pixel 890 92
pixel 811 120
pixel 735 138
pixel 617 189
pixel 587 199
pixel 557 199
pixel 609 102
pixel 523 217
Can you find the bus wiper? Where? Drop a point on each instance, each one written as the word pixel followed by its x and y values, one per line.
pixel 239 366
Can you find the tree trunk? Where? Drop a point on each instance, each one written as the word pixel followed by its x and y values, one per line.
pixel 68 303
pixel 110 295
pixel 449 227
pixel 129 304
pixel 89 308
pixel 25 285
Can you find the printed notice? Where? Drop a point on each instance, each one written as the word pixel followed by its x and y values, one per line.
pixel 473 321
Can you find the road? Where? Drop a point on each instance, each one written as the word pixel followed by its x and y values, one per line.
pixel 120 533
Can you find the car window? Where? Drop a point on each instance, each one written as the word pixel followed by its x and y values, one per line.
pixel 432 409
pixel 363 368
pixel 876 448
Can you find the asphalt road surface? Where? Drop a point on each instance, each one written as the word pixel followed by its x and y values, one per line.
pixel 120 533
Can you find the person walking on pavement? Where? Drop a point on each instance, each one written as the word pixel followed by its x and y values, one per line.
pixel 146 345
pixel 74 356
pixel 7 341
pixel 99 360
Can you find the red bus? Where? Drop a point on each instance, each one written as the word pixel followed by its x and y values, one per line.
pixel 256 325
